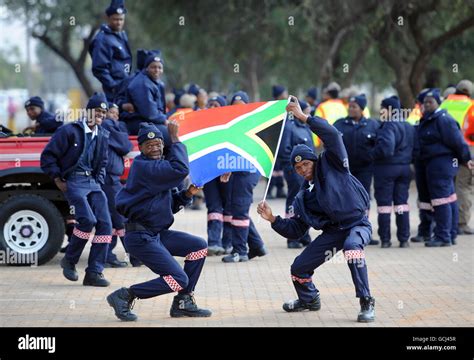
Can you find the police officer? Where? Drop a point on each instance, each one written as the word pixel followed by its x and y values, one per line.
pixel 359 134
pixel 120 98
pixel 279 92
pixel 295 132
pixel 312 99
pixel 45 122
pixel 461 107
pixel 331 200
pixel 148 201
pixel 76 158
pixel 392 155
pixel 119 146
pixel 425 210
pixel 147 94
pixel 110 52
pixel 218 193
pixel 443 149
pixel 332 108
pixel 246 241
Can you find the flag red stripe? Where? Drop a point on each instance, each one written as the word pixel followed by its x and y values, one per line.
pixel 202 119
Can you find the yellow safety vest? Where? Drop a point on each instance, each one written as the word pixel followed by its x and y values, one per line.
pixel 457 106
pixel 331 110
pixel 415 115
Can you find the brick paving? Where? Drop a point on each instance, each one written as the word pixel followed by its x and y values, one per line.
pixel 417 286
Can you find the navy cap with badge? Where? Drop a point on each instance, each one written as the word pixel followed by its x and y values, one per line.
pixel 98 100
pixel 154 56
pixel 360 100
pixel 240 95
pixel 435 93
pixel 421 96
pixel 302 152
pixel 116 7
pixel 148 131
pixel 220 99
pixel 35 101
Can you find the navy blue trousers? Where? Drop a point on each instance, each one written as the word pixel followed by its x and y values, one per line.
pixel 440 174
pixel 277 177
pixel 392 184
pixel 322 249
pixel 243 229
pixel 156 251
pixel 219 216
pixel 88 204
pixel 426 211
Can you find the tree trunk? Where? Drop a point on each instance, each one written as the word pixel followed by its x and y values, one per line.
pixel 83 79
pixel 253 77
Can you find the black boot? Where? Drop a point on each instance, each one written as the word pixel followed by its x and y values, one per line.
pixel 122 301
pixel 293 244
pixel 135 262
pixel 367 310
pixel 374 242
pixel 437 243
pixel 95 279
pixel 185 305
pixel 419 239
pixel 257 252
pixel 386 244
pixel 69 270
pixel 115 264
pixel 298 305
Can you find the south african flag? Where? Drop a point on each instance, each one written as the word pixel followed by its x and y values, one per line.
pixel 232 138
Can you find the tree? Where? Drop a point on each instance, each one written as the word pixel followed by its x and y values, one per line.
pixel 411 33
pixel 65 27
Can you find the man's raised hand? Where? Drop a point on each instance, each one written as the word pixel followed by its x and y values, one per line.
pixel 295 108
pixel 173 128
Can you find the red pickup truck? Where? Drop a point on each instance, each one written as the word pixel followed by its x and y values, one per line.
pixel 32 208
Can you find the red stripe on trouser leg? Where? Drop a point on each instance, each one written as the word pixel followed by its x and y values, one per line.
pixel 354 254
pixel 102 239
pixel 400 209
pixel 81 234
pixel 120 232
pixel 443 201
pixel 227 218
pixel 241 223
pixel 384 209
pixel 196 255
pixel 424 205
pixel 300 280
pixel 172 283
pixel 215 216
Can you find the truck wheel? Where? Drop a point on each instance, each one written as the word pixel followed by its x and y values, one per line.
pixel 31 230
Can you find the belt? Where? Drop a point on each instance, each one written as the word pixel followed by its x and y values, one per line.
pixel 82 173
pixel 135 227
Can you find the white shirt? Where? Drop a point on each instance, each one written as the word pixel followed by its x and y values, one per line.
pixel 87 130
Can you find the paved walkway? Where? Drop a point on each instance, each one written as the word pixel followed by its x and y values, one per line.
pixel 417 286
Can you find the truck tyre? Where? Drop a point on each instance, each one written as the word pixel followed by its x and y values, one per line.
pixel 31 230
